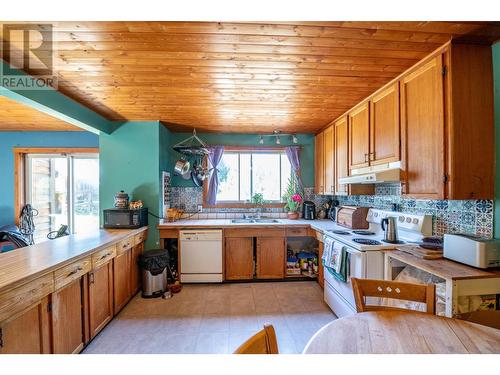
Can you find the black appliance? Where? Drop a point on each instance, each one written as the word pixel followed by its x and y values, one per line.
pixel 308 210
pixel 116 218
pixel 332 211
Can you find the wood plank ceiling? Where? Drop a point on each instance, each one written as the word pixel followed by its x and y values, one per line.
pixel 241 77
pixel 19 117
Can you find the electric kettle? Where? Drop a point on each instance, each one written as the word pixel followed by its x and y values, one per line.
pixel 389 227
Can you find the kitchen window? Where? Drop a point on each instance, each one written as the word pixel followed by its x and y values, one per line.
pixel 64 189
pixel 245 173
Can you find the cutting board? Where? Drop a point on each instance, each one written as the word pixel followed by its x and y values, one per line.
pixel 421 252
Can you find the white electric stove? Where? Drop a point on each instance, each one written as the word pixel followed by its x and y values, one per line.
pixel 365 248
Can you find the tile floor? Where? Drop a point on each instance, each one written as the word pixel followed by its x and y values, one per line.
pixel 216 319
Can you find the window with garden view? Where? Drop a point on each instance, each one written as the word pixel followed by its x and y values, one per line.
pixel 64 189
pixel 242 174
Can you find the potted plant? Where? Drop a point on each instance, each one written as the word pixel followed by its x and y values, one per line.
pixel 293 200
pixel 258 201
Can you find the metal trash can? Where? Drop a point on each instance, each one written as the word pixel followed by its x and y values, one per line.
pixel 154 265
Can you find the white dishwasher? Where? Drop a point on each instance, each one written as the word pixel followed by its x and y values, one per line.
pixel 201 256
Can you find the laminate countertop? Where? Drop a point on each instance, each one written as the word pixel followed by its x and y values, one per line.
pixel 22 265
pixel 318 225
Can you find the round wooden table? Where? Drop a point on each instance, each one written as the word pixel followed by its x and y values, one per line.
pixel 388 332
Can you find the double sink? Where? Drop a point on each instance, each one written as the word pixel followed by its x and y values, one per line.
pixel 255 221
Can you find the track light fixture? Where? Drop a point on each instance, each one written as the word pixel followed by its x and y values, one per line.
pixel 278 134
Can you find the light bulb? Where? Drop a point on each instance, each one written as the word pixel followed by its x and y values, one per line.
pixel 261 140
pixel 295 139
pixel 278 141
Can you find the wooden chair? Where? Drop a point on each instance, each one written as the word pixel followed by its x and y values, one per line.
pixel 263 342
pixel 425 293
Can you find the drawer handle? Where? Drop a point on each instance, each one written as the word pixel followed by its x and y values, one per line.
pixel 104 256
pixel 78 269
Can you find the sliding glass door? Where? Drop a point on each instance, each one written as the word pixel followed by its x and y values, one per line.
pixel 64 189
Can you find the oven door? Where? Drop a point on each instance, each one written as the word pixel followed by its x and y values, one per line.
pixel 357 261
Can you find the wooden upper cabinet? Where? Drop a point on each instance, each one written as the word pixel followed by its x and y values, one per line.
pixel 384 126
pixel 341 169
pixel 359 136
pixel 469 122
pixel 319 169
pixel 328 159
pixel 422 126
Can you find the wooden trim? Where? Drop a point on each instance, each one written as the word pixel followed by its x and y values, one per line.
pixel 19 169
pixel 55 150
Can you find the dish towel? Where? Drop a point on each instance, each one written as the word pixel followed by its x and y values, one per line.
pixel 336 259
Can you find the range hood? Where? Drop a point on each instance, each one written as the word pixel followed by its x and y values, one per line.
pixel 390 172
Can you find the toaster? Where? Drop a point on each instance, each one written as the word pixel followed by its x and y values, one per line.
pixel 471 250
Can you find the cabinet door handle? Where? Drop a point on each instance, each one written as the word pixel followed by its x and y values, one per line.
pixel 75 271
pixel 91 278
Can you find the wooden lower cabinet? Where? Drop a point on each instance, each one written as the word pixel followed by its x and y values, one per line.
pixel 121 280
pixel 100 297
pixel 270 257
pixel 67 319
pixel 321 270
pixel 239 258
pixel 28 333
pixel 135 272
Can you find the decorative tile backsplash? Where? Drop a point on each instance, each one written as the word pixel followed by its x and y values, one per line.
pixel 468 216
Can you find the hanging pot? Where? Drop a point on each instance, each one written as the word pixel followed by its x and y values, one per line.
pixel 186 176
pixel 195 179
pixel 181 167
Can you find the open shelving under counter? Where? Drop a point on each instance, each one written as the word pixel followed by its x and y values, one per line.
pixel 461 281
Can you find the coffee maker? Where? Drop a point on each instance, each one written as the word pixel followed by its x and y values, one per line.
pixel 308 210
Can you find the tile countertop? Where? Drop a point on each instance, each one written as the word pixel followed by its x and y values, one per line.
pixel 319 225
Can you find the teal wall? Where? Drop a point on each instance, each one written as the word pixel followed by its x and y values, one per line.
pixel 9 140
pixel 130 161
pixel 227 139
pixel 496 77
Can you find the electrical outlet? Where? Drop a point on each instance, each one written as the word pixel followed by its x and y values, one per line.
pixel 200 208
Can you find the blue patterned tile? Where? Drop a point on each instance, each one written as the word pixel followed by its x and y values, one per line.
pixel 468 205
pixel 441 205
pixel 484 206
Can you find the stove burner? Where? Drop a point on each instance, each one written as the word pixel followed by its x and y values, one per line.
pixel 336 231
pixel 394 242
pixel 365 241
pixel 363 232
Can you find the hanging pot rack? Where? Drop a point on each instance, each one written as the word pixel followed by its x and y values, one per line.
pixel 192 146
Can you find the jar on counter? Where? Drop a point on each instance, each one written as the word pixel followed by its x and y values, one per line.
pixel 121 199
